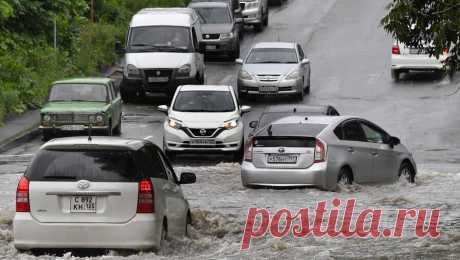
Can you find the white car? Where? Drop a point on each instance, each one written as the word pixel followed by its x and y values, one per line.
pixel 406 59
pixel 204 119
pixel 104 192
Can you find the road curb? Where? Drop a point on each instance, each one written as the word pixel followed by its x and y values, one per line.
pixel 20 137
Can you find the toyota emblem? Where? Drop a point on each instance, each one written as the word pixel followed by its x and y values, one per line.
pixel 202 131
pixel 281 150
pixel 158 73
pixel 83 185
pixel 207 36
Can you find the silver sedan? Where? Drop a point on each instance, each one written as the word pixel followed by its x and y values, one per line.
pixel 324 151
pixel 273 68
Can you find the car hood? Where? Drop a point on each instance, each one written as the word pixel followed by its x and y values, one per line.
pixel 74 107
pixel 203 120
pixel 158 60
pixel 281 69
pixel 216 28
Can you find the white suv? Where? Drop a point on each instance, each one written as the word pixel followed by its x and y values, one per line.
pixel 204 119
pixel 107 193
pixel 405 59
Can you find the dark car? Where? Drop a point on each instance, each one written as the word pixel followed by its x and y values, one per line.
pixel 274 113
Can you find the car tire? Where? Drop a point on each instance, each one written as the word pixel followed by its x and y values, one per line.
pixel 259 27
pixel 163 237
pixel 301 94
pixel 345 176
pixel 395 75
pixel 109 131
pixel 188 224
pixel 265 22
pixel 238 155
pixel 117 130
pixel 307 88
pixel 235 54
pixel 407 171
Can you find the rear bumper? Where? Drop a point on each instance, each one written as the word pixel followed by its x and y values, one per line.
pixel 416 62
pixel 221 45
pixel 141 232
pixel 315 175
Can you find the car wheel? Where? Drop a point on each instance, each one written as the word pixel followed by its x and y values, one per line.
pixel 407 172
pixel 301 93
pixel 307 88
pixel 188 224
pixel 117 130
pixel 109 131
pixel 265 23
pixel 163 237
pixel 258 27
pixel 395 75
pixel 345 176
pixel 238 155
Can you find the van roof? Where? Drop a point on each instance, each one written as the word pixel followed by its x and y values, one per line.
pixel 205 88
pixel 164 16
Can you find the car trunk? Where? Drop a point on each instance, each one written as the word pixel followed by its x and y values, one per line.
pixel 284 152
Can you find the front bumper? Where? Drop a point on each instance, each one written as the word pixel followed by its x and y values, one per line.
pixel 280 87
pixel 167 87
pixel 252 16
pixel 68 128
pixel 416 62
pixel 226 141
pixel 315 175
pixel 141 232
pixel 220 46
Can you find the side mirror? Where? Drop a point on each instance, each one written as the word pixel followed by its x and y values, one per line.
pixel 239 20
pixel 201 47
pixel 253 124
pixel 305 61
pixel 245 109
pixel 119 49
pixel 394 141
pixel 163 108
pixel 187 178
pixel 239 61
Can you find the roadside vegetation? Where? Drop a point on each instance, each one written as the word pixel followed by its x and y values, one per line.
pixel 86 31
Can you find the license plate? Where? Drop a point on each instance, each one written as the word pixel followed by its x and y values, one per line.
pixel 211 47
pixel 203 142
pixel 83 204
pixel 73 127
pixel 268 89
pixel 158 79
pixel 417 51
pixel 282 158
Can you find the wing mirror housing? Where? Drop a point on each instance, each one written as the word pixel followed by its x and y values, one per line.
pixel 187 178
pixel 245 109
pixel 119 49
pixel 253 124
pixel 238 20
pixel 305 61
pixel 394 141
pixel 163 108
pixel 239 61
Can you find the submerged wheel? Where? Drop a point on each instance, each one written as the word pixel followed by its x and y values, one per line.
pixel 345 176
pixel 407 172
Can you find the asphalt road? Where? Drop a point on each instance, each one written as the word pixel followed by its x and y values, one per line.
pixel 350 59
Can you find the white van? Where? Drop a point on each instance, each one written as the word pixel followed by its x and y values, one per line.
pixel 162 51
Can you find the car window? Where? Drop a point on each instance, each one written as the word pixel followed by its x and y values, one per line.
pixel 169 169
pixel 194 38
pixel 91 165
pixel 338 131
pixel 204 101
pixel 111 93
pixel 78 92
pixel 213 15
pixel 150 163
pixel 352 131
pixel 160 39
pixel 301 53
pixel 115 90
pixel 272 55
pixel 373 133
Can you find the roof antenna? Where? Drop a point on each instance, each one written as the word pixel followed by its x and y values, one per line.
pixel 89 132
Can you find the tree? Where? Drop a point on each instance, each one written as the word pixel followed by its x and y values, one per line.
pixel 418 22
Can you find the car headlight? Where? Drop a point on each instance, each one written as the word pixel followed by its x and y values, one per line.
pixel 46 118
pixel 173 123
pixel 184 70
pixel 245 75
pixel 225 36
pixel 231 124
pixel 252 4
pixel 295 74
pixel 133 71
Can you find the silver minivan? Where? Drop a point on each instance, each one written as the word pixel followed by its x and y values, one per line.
pixel 162 51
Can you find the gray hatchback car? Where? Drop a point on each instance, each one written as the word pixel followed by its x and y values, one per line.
pixel 324 151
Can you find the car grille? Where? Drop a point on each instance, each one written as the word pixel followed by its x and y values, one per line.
pixel 203 132
pixel 268 77
pixel 71 118
pixel 211 36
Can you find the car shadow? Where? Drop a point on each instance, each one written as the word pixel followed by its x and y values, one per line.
pixel 420 78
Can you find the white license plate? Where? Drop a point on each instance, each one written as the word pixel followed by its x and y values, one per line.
pixel 73 127
pixel 158 79
pixel 83 204
pixel 268 89
pixel 211 47
pixel 417 51
pixel 282 158
pixel 203 142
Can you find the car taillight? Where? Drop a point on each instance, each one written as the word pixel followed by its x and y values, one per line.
pixel 320 151
pixel 145 203
pixel 395 50
pixel 248 149
pixel 445 51
pixel 22 195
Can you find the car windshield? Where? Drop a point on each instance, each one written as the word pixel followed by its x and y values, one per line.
pixel 91 165
pixel 272 117
pixel 78 92
pixel 213 15
pixel 275 55
pixel 204 101
pixel 160 39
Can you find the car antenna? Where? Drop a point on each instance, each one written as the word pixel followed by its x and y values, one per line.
pixel 269 130
pixel 90 128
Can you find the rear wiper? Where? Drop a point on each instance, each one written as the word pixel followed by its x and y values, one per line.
pixel 60 177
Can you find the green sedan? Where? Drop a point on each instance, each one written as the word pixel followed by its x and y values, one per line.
pixel 77 105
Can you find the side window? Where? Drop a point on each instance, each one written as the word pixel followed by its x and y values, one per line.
pixel 194 38
pixel 110 89
pixel 150 163
pixel 338 131
pixel 352 131
pixel 373 134
pixel 301 53
pixel 169 169
pixel 116 93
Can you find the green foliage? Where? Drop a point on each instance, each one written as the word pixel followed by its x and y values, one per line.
pixel 28 61
pixel 416 22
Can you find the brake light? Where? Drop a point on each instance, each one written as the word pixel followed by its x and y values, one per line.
pixel 320 151
pixel 22 195
pixel 145 202
pixel 395 50
pixel 445 51
pixel 248 149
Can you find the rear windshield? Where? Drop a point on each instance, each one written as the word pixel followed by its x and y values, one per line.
pixel 78 92
pixel 284 142
pixel 91 165
pixel 294 130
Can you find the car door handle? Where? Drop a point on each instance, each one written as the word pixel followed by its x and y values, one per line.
pixel 374 154
pixel 350 150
